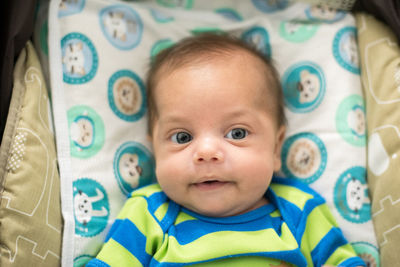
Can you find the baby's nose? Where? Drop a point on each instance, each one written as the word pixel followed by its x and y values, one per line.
pixel 208 150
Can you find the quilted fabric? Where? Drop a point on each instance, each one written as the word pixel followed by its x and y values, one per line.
pixel 380 58
pixel 30 208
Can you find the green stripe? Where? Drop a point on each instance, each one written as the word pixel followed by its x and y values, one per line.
pixel 341 254
pixel 147 190
pixel 294 195
pixel 183 217
pixel 319 222
pixel 225 243
pixel 161 211
pixel 116 255
pixel 136 211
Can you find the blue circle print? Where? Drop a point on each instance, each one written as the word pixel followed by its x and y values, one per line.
pixel 259 38
pixel 122 26
pixel 82 260
pixel 324 13
pixel 91 207
pixel 303 87
pixel 87 132
pixel 270 6
pixel 351 195
pixel 229 13
pixel 345 49
pixel 133 166
pixel 126 95
pixel 79 58
pixel 368 253
pixel 67 8
pixel 160 16
pixel 304 157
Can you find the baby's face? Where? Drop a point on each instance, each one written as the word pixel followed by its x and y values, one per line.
pixel 215 147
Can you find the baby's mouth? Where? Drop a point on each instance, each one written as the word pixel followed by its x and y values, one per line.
pixel 210 184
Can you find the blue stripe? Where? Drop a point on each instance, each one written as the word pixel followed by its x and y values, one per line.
pixel 292 256
pixel 170 216
pixel 113 228
pixel 308 208
pixel 130 237
pixel 290 213
pixel 156 200
pixel 256 220
pixel 295 218
pixel 188 231
pixel 96 263
pixel 327 245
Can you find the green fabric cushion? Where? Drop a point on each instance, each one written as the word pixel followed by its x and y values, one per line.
pixel 380 65
pixel 30 216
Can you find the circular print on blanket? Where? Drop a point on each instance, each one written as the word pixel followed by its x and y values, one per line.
pixel 160 16
pixel 303 87
pixel 201 30
pixel 82 260
pixel 270 6
pixel 186 4
pixel 324 13
pixel 368 253
pixel 70 7
pixel 304 157
pixel 297 32
pixel 351 120
pixel 259 38
pixel 133 166
pixel 351 195
pixel 126 95
pixel 86 129
pixel 159 46
pixel 122 26
pixel 79 58
pixel 229 13
pixel 91 207
pixel 345 49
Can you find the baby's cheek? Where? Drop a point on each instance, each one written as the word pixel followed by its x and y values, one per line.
pixel 169 171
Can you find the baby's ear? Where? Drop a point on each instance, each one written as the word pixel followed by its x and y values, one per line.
pixel 280 137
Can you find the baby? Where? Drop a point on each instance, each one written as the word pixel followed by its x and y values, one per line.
pixel 217 125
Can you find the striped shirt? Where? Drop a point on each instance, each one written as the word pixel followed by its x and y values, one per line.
pixel 295 228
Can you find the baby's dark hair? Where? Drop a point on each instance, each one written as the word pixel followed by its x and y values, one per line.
pixel 208 47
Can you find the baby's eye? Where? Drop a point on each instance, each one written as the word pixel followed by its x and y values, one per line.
pixel 237 133
pixel 181 137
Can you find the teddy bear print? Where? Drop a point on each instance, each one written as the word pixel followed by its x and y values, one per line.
pixel 308 87
pixel 350 50
pixel 355 195
pixel 118 26
pixel 82 132
pixel 323 12
pixel 74 59
pixel 356 121
pixel 130 169
pixel 64 3
pixel 292 27
pixel 302 158
pixel 84 211
pixel 127 96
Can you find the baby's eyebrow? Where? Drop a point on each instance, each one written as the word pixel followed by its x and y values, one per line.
pixel 172 119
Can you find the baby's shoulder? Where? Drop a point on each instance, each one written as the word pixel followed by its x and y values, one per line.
pixel 295 192
pixel 146 191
